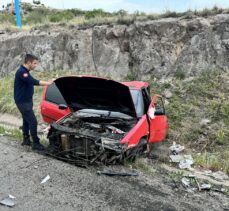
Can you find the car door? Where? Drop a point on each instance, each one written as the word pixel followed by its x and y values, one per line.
pixel 53 105
pixel 158 123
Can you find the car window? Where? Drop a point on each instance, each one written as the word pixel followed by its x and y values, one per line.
pixel 138 101
pixel 53 95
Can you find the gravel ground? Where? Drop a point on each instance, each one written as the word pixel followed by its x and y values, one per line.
pixel 75 188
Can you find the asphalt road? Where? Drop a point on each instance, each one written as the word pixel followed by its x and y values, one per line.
pixel 74 188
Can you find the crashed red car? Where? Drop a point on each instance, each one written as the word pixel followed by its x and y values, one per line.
pixel 101 120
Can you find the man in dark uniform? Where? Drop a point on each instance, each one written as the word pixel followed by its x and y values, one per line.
pixel 23 96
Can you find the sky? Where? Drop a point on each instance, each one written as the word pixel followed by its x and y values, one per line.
pixel 148 6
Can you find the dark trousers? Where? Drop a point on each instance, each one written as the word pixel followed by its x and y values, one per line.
pixel 29 120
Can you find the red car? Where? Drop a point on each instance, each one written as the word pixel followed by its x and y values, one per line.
pixel 101 120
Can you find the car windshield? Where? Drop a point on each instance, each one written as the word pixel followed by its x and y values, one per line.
pixel 101 113
pixel 138 101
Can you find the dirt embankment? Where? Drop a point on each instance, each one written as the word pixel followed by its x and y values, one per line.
pixel 75 188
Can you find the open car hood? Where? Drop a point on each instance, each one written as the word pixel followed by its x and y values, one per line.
pixel 84 92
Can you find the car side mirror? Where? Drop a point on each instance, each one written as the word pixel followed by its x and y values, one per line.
pixel 62 106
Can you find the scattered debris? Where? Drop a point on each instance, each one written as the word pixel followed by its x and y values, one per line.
pixel 45 179
pixel 12 197
pixel 204 122
pixel 176 148
pixel 185 182
pixel 46 130
pixel 5 152
pixel 205 187
pixel 221 190
pixel 166 102
pixel 36 167
pixel 208 173
pixel 176 158
pixel 8 201
pixel 186 162
pixel 113 173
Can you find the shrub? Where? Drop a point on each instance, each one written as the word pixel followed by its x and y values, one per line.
pixel 34 18
pixel 60 16
pixel 4 17
pixel 95 13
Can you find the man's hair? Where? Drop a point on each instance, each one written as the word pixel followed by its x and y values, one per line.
pixel 29 58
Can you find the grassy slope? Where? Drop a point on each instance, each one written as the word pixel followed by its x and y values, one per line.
pixel 45 16
pixel 204 97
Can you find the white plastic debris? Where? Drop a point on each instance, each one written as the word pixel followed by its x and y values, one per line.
pixel 12 197
pixel 186 162
pixel 176 158
pixel 176 148
pixel 205 187
pixel 8 201
pixel 46 130
pixel 208 173
pixel 185 182
pixel 5 152
pixel 45 179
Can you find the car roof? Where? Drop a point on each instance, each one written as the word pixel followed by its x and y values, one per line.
pixel 136 84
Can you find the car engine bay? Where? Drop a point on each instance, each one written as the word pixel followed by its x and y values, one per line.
pixel 90 138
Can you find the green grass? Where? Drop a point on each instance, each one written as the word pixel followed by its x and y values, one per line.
pixel 176 176
pixel 7 104
pixel 214 161
pixel 206 96
pixel 141 165
pixel 15 133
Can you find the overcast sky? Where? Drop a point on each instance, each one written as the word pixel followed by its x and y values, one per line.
pixel 132 5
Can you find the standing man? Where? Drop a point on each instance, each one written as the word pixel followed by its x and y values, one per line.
pixel 23 97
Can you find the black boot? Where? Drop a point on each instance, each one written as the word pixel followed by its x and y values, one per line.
pixel 26 141
pixel 37 145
